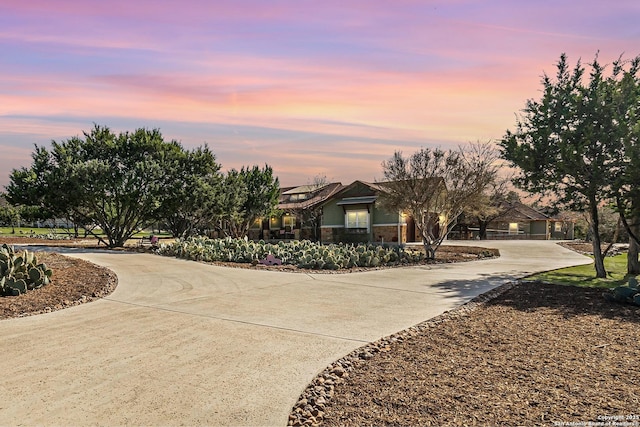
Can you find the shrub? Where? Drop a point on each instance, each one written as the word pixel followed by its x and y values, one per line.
pixel 20 272
pixel 626 294
pixel 301 253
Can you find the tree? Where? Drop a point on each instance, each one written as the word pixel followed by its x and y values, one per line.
pixel 567 144
pixel 248 195
pixel 435 186
pixel 118 182
pixel 312 215
pixel 10 215
pixel 490 205
pixel 626 193
pixel 193 192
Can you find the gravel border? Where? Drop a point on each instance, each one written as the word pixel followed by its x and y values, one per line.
pixel 309 409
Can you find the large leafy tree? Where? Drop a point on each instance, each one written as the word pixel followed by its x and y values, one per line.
pixel 119 182
pixel 568 143
pixel 435 187
pixel 626 117
pixel 193 192
pixel 248 195
pixel 9 215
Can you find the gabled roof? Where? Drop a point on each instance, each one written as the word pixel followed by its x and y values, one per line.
pixel 377 186
pixel 303 189
pixel 359 189
pixel 518 210
pixel 371 188
pixel 316 195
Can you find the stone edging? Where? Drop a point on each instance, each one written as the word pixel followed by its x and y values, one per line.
pixel 309 409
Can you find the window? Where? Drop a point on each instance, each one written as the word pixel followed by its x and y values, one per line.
pixel 557 227
pixel 513 228
pixel 357 219
pixel 289 220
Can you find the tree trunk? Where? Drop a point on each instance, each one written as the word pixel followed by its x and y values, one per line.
pixel 482 233
pixel 597 251
pixel 633 229
pixel 633 264
pixel 430 252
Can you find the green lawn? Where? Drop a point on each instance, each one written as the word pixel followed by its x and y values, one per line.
pixel 22 231
pixel 27 231
pixel 584 275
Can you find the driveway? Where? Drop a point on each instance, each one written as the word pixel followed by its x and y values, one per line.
pixel 183 343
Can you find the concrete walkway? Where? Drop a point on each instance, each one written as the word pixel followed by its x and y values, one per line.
pixel 183 343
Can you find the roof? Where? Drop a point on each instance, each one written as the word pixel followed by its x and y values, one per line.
pixel 364 188
pixel 359 189
pixel 357 200
pixel 317 194
pixel 378 186
pixel 518 210
pixel 304 189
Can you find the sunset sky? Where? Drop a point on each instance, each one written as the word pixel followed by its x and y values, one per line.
pixel 309 87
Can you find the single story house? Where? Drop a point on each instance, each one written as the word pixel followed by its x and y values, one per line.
pixel 299 213
pixel 351 215
pixel 519 221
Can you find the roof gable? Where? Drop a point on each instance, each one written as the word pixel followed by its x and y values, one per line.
pixel 359 189
pixel 518 210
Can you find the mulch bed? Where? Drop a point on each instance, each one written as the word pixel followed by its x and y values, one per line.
pixel 74 282
pixel 536 355
pixel 523 354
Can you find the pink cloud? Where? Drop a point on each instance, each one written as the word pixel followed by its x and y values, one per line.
pixel 352 80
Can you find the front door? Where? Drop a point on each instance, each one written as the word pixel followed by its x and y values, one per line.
pixel 411 230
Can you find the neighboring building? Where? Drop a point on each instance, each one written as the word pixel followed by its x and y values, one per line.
pixel 300 212
pixel 351 215
pixel 519 221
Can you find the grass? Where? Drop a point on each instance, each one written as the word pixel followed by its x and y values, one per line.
pixel 584 275
pixel 28 231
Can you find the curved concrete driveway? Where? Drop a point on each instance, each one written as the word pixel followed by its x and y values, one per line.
pixel 183 343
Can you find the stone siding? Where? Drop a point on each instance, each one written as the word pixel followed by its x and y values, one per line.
pixel 386 233
pixel 326 235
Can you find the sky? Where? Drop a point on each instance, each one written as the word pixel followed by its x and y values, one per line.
pixel 312 88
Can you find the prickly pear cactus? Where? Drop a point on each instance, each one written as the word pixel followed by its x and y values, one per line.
pixel 303 253
pixel 21 272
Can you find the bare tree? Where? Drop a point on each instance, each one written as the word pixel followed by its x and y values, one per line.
pixel 435 186
pixel 313 214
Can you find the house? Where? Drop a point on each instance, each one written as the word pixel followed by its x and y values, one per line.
pixel 351 215
pixel 519 221
pixel 299 213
